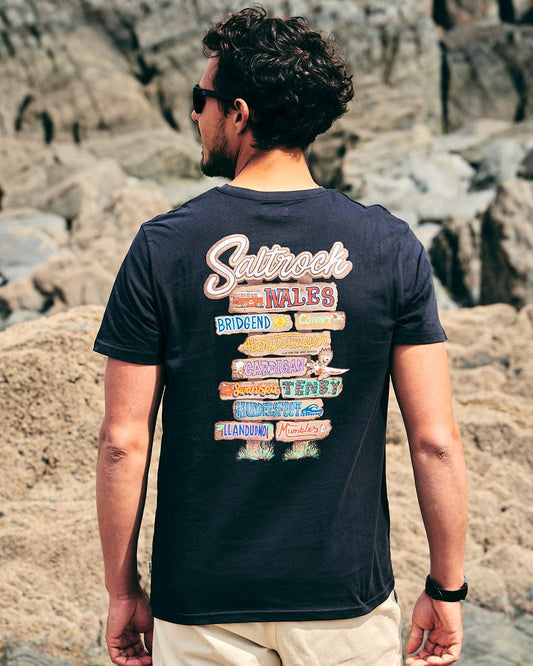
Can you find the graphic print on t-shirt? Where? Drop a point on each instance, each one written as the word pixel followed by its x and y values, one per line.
pixel 278 389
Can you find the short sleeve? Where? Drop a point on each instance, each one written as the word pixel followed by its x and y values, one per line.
pixel 131 328
pixel 418 319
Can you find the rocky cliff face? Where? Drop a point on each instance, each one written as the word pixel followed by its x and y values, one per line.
pixel 95 135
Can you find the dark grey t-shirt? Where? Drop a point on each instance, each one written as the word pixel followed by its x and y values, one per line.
pixel 274 316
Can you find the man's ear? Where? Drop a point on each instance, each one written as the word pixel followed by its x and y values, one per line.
pixel 241 115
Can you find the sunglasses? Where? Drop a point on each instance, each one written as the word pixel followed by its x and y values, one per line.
pixel 200 95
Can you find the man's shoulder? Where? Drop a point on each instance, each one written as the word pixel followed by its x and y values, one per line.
pixel 182 212
pixel 375 215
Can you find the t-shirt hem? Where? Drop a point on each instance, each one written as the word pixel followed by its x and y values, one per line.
pixel 274 615
pixel 127 355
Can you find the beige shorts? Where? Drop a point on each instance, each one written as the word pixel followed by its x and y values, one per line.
pixel 370 640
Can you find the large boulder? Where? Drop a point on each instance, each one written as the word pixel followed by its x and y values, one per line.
pixel 28 169
pixel 451 13
pixel 80 270
pixel 456 257
pixel 487 73
pixel 28 238
pixel 507 246
pixel 522 11
pixel 87 187
pixel 501 160
pixel 161 154
pixel 526 167
pixel 62 79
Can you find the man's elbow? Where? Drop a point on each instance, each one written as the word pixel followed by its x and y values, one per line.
pixel 442 446
pixel 117 445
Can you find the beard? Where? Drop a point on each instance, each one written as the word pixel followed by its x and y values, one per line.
pixel 219 161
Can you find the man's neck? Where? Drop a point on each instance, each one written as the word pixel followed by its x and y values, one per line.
pixel 277 170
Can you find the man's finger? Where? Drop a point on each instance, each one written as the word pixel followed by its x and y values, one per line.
pixel 149 639
pixel 415 639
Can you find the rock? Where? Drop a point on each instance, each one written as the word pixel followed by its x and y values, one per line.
pixel 467 205
pixel 23 655
pixel 472 136
pixel 81 269
pixel 526 167
pixel 161 154
pixel 69 84
pixel 106 226
pixel 326 157
pixel 456 257
pixel 88 187
pixel 410 178
pixel 389 191
pixel 493 638
pixel 20 301
pixel 391 48
pixel 441 175
pixel 452 13
pixel 73 278
pixel 383 154
pixel 487 73
pixel 180 191
pixel 48 517
pixel 513 598
pixel 394 55
pixel 507 246
pixel 444 301
pixel 28 169
pixel 100 237
pixel 28 238
pixel 522 11
pixel 499 161
pixel 91 68
pixel 425 232
pixel 477 138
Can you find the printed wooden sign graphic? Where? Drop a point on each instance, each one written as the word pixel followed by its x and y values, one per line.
pixel 284 306
pixel 275 323
pixel 285 343
pixel 309 321
pixel 263 368
pixel 233 390
pixel 284 296
pixel 283 409
pixel 289 431
pixel 303 388
pixel 226 430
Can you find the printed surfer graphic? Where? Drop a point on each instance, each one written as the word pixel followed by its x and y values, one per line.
pixel 278 387
pixel 321 368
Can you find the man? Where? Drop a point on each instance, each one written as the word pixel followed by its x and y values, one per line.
pixel 272 313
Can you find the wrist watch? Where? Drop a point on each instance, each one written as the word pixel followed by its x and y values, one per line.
pixel 435 591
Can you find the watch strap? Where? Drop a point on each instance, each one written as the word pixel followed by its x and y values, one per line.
pixel 435 591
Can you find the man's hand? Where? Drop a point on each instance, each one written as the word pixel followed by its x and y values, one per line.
pixel 443 621
pixel 127 620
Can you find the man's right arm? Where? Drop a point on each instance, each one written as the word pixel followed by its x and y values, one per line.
pixel 132 396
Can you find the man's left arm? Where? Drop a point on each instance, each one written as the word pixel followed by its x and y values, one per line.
pixel 132 396
pixel 422 385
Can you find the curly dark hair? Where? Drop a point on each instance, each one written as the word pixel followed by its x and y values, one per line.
pixel 293 78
